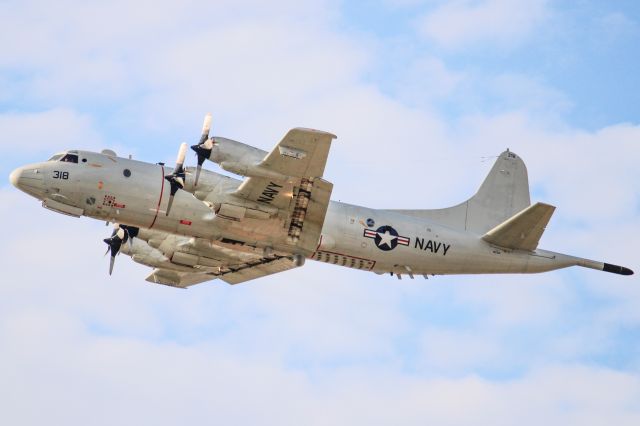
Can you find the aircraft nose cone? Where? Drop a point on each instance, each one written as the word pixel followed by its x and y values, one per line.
pixel 15 176
pixel 28 179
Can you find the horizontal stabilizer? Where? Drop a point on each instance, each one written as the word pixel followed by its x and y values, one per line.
pixel 523 230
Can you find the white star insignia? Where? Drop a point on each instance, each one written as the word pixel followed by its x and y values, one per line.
pixel 386 238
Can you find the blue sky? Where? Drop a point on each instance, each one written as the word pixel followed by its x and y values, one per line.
pixel 422 96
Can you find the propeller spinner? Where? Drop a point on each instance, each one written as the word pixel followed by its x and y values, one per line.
pixel 203 148
pixel 176 179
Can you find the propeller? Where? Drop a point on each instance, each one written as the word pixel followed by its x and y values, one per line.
pixel 120 234
pixel 176 179
pixel 203 148
pixel 131 233
pixel 114 242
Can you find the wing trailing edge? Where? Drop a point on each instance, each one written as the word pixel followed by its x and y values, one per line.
pixel 523 230
pixel 258 269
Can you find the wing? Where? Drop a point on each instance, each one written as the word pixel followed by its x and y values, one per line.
pixel 289 211
pixel 231 274
pixel 301 153
pixel 180 261
pixel 264 221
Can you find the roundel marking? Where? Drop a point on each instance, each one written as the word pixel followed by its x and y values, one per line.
pixel 386 238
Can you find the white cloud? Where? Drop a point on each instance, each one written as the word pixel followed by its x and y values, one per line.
pixel 425 80
pixel 74 378
pixel 48 131
pixel 461 23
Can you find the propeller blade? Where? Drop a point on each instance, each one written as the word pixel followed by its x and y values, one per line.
pixel 114 244
pixel 176 179
pixel 177 182
pixel 203 151
pixel 118 236
pixel 206 127
pixel 198 170
pixel 111 263
pixel 170 203
pixel 182 152
pixel 203 147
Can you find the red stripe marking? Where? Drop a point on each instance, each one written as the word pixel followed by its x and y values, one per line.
pixel 159 199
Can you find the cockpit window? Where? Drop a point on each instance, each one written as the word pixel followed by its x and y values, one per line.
pixel 55 157
pixel 70 158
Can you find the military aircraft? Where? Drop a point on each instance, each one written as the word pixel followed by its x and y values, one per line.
pixel 193 225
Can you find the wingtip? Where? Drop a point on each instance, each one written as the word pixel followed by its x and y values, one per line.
pixel 615 269
pixel 319 132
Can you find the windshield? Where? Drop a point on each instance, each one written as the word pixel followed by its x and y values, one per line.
pixel 70 158
pixel 55 157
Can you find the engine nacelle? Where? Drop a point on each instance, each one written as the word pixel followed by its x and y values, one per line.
pixel 241 159
pixel 194 261
pixel 238 212
pixel 143 253
pixel 233 152
pixel 212 185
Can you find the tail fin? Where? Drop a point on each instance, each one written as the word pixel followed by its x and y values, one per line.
pixel 504 192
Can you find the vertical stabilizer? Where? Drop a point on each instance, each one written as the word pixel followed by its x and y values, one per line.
pixel 504 192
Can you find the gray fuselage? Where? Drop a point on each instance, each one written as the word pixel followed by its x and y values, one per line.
pixel 135 193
